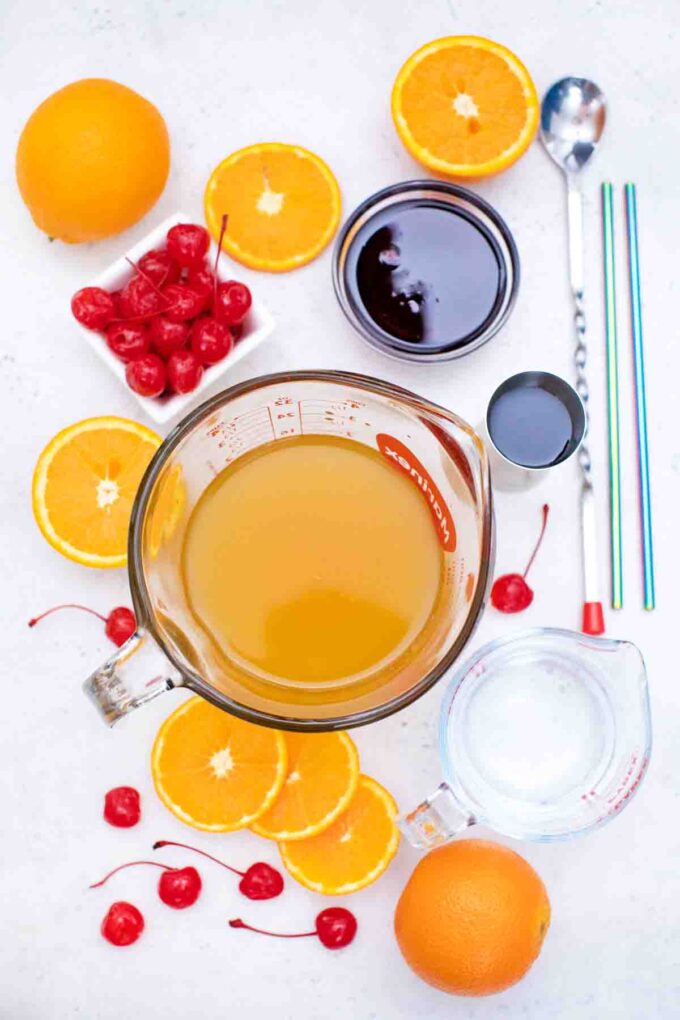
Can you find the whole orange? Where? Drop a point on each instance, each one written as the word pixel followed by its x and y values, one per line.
pixel 472 917
pixel 92 160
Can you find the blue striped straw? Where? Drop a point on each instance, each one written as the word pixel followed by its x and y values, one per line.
pixel 640 397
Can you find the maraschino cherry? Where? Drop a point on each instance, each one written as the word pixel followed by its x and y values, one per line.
pixel 140 298
pixel 259 882
pixel 158 267
pixel 182 302
pixel 128 340
pixel 122 807
pixel 120 624
pixel 232 302
pixel 146 375
pixel 184 371
pixel 335 927
pixel 210 340
pixel 167 336
pixel 123 924
pixel 177 887
pixel 201 280
pixel 93 307
pixel 511 593
pixel 188 244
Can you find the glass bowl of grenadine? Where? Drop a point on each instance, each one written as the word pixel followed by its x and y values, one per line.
pixel 426 271
pixel 167 355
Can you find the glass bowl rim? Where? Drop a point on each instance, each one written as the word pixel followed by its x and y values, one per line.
pixel 401 350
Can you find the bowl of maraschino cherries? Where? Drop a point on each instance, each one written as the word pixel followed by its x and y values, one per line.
pixel 168 318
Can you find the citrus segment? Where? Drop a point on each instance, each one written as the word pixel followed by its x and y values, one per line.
pixel 354 851
pixel 214 771
pixel 465 106
pixel 323 772
pixel 282 201
pixel 84 485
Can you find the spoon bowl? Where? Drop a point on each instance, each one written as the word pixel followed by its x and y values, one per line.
pixel 573 114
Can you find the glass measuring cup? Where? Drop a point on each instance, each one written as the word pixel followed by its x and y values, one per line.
pixel 542 736
pixel 441 455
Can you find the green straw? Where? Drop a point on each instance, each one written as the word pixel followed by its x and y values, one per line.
pixel 612 395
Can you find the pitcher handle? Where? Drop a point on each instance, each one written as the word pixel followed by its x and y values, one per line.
pixel 137 672
pixel 437 820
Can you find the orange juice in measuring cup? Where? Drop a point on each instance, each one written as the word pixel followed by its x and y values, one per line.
pixel 309 551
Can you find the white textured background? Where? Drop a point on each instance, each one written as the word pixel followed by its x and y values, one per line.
pixel 225 74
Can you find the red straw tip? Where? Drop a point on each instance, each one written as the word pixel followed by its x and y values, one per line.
pixel 593 618
pixel 236 922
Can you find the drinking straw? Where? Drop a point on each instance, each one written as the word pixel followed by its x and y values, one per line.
pixel 640 398
pixel 612 395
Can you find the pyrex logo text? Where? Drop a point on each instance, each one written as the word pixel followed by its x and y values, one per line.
pixel 400 455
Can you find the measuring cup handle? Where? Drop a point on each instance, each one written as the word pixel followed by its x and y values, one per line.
pixel 136 673
pixel 437 820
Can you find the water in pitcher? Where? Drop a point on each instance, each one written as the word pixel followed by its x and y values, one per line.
pixel 312 562
pixel 529 736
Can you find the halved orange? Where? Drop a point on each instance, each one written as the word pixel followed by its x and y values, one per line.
pixel 323 772
pixel 84 485
pixel 214 771
pixel 465 106
pixel 354 851
pixel 283 204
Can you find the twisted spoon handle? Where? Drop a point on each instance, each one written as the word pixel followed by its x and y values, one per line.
pixel 593 616
pixel 581 383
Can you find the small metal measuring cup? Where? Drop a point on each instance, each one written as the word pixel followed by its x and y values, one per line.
pixel 534 421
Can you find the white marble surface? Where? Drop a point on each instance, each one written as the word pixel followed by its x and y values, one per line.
pixel 227 73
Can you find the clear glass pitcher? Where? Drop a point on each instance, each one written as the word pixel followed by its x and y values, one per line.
pixel 542 736
pixel 441 455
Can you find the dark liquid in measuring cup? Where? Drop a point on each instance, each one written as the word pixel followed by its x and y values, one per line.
pixel 427 275
pixel 530 426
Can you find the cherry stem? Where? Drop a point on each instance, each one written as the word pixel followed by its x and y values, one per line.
pixel 236 922
pixel 130 864
pixel 65 605
pixel 145 318
pixel 223 230
pixel 546 511
pixel 147 278
pixel 184 846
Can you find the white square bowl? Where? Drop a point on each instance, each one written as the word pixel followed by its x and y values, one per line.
pixel 258 325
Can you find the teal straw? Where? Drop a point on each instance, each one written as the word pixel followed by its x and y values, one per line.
pixel 640 398
pixel 612 395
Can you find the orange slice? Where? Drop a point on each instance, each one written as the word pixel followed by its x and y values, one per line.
pixel 84 485
pixel 465 106
pixel 283 205
pixel 323 772
pixel 216 772
pixel 165 510
pixel 354 850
